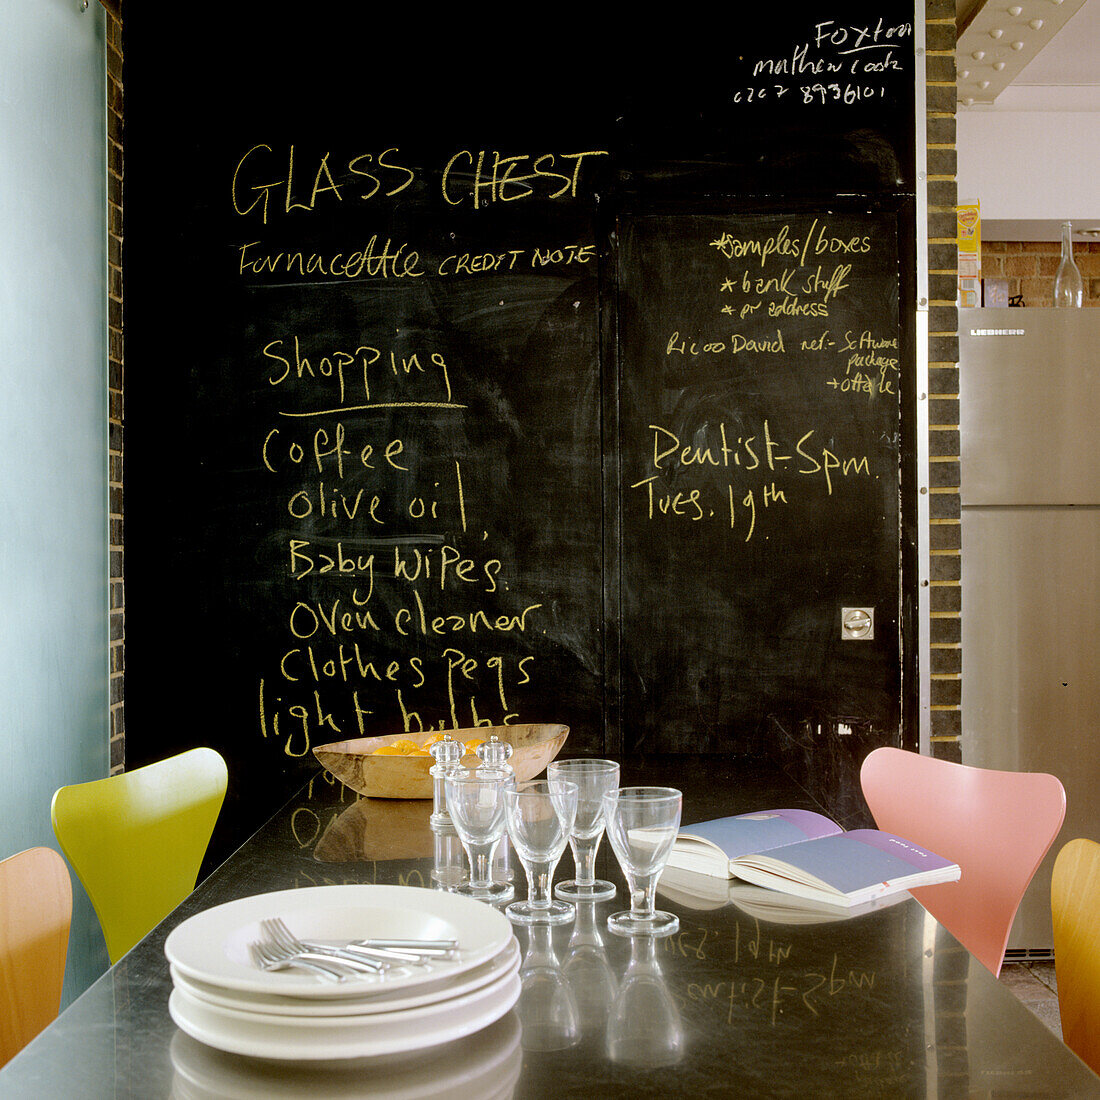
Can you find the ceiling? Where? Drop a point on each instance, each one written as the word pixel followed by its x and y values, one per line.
pixel 1028 54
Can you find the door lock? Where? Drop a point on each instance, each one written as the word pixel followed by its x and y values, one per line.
pixel 857 624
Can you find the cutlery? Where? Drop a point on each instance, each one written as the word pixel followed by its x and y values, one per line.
pixel 277 946
pixel 285 940
pixel 263 960
pixel 418 947
pixel 369 952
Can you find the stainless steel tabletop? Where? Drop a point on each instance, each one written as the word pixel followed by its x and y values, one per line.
pixel 884 1004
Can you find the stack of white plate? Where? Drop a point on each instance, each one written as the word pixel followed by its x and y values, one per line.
pixel 221 999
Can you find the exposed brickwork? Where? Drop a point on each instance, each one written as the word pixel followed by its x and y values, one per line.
pixel 1029 267
pixel 943 383
pixel 116 412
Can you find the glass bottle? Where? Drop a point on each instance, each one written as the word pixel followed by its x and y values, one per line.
pixel 1069 289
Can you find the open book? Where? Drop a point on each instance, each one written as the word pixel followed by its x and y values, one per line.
pixel 804 853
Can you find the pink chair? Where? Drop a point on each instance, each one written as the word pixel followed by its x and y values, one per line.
pixel 996 826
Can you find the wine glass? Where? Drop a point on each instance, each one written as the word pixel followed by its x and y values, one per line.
pixel 540 818
pixel 594 778
pixel 476 806
pixel 642 823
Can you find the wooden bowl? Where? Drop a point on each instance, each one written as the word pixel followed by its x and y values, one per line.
pixel 352 762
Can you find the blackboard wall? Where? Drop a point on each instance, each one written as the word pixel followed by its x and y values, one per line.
pixel 584 401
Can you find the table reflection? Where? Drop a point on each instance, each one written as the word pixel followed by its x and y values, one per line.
pixel 486 1065
pixel 644 1028
pixel 376 829
pixel 547 1006
pixel 448 858
pixel 588 970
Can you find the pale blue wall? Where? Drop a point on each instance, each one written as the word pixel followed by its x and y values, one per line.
pixel 53 426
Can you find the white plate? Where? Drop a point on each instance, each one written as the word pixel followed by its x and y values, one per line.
pixel 354 1039
pixel 506 962
pixel 212 946
pixel 374 1022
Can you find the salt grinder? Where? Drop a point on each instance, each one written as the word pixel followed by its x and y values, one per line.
pixel 447 754
pixel 494 755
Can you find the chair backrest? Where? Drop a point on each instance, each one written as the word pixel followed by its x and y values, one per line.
pixel 137 839
pixel 996 826
pixel 1075 908
pixel 36 905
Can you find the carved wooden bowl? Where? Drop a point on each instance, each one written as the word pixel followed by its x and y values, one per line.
pixel 353 762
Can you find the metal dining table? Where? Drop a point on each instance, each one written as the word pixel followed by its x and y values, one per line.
pixel 747 999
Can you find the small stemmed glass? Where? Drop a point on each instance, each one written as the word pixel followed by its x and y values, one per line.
pixel 476 806
pixel 642 823
pixel 540 818
pixel 594 778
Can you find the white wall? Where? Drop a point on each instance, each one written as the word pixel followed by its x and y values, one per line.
pixel 1027 166
pixel 53 426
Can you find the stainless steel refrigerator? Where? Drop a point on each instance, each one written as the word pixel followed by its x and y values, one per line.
pixel 1030 444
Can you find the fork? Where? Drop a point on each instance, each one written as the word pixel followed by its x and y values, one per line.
pixel 264 959
pixel 288 946
pixel 285 941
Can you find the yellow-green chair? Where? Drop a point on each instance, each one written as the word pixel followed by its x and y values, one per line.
pixel 136 840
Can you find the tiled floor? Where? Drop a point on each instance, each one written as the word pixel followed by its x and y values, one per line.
pixel 1035 984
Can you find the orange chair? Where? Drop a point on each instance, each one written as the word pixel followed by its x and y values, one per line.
pixel 1075 907
pixel 36 905
pixel 996 826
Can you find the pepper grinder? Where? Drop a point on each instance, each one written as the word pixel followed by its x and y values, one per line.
pixel 447 753
pixel 494 755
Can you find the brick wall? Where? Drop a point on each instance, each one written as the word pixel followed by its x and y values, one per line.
pixel 943 385
pixel 1029 267
pixel 115 412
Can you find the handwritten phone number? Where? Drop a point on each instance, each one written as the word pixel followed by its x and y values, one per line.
pixel 841 93
pixel 813 93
